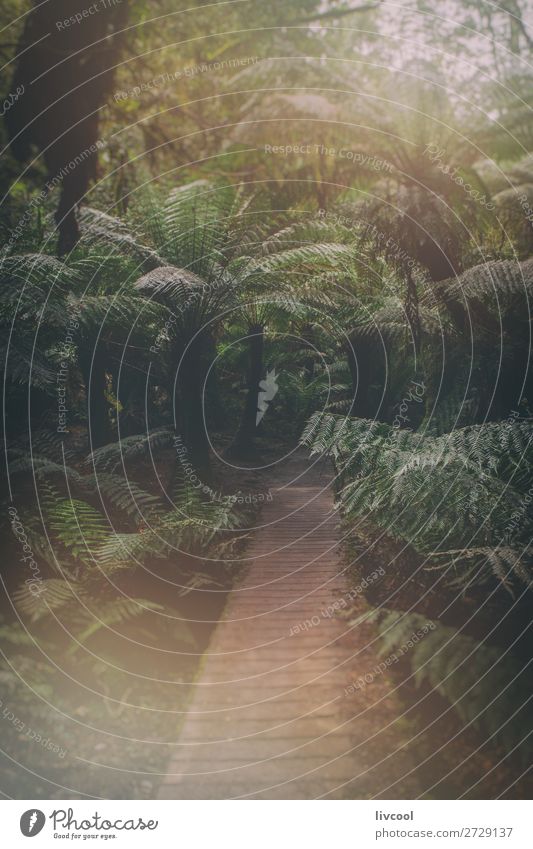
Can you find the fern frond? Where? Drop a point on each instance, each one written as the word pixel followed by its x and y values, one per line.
pixel 125 494
pixel 78 526
pixel 491 279
pixel 479 565
pixel 100 229
pixel 486 686
pixel 476 481
pixel 140 444
pixel 307 258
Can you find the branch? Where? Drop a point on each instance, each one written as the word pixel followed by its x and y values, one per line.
pixel 338 13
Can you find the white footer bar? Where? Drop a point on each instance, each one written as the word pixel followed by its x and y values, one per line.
pixel 268 824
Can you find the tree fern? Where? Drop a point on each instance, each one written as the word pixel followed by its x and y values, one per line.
pixel 440 493
pixel 84 613
pixel 192 227
pixel 307 258
pixel 121 491
pixel 478 565
pixel 142 444
pixel 102 230
pixel 192 527
pixel 36 270
pixel 488 687
pixel 124 494
pixel 200 221
pixel 20 462
pixel 78 526
pixel 491 279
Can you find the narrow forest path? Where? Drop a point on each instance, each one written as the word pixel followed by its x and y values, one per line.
pixel 269 716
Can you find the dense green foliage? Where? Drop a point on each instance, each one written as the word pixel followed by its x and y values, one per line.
pixel 213 238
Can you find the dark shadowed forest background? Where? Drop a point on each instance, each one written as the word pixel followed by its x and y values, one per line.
pixel 332 202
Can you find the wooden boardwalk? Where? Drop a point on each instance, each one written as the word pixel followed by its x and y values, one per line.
pixel 269 717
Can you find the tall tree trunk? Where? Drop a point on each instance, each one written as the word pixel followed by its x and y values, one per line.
pixel 308 335
pixel 244 440
pixel 191 383
pixel 93 368
pixel 65 75
pixel 361 356
pixel 360 374
pixel 441 261
pixel 412 310
pixel 214 401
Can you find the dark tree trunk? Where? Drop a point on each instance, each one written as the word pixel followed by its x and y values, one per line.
pixel 131 390
pixel 194 425
pixel 361 355
pixel 65 74
pixel 191 407
pixel 215 405
pixel 73 189
pixel 244 440
pixel 412 311
pixel 308 334
pixel 93 368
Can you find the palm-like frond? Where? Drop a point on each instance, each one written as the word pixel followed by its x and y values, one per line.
pixel 477 565
pixel 25 366
pixel 194 227
pixel 498 279
pixel 112 455
pixel 74 602
pixel 186 530
pixel 122 492
pixel 486 686
pixel 35 269
pixel 307 258
pixel 477 478
pixel 102 230
pixel 391 321
pixel 77 526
